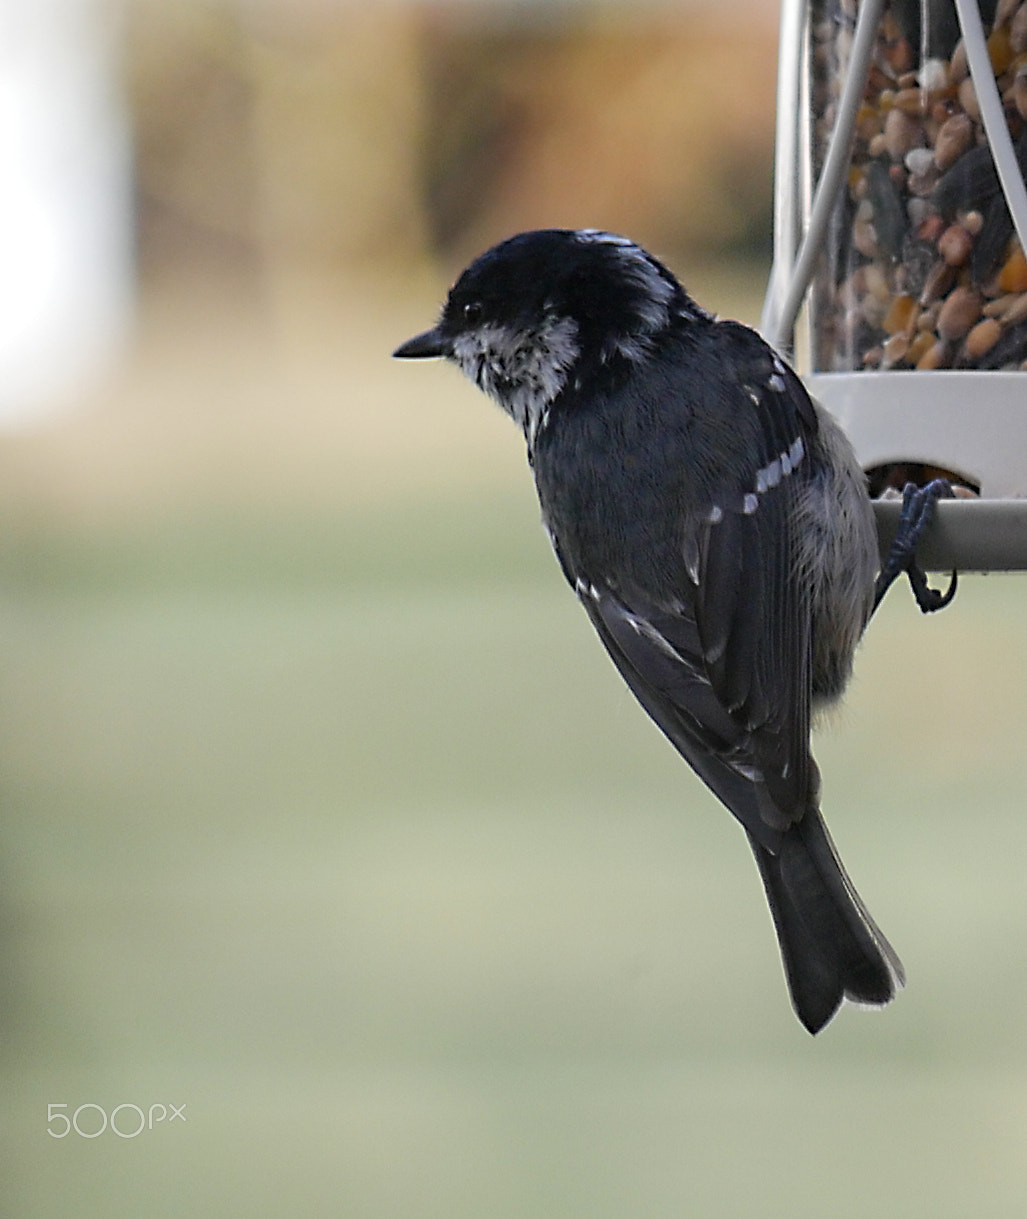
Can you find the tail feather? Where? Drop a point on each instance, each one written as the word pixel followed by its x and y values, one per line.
pixel 832 949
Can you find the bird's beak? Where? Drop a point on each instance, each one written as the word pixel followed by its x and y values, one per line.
pixel 421 346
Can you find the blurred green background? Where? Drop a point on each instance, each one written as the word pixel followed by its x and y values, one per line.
pixel 324 815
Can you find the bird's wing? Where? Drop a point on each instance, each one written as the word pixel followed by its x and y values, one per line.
pixel 725 672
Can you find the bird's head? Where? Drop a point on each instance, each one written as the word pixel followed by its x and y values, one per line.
pixel 550 306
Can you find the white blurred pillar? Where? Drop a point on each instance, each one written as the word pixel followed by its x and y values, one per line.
pixel 65 203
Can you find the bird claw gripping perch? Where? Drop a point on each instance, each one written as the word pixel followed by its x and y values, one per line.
pixel 918 506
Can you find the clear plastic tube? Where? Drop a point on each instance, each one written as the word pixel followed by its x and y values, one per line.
pixel 916 229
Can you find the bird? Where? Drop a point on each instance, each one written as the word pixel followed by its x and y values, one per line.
pixel 715 525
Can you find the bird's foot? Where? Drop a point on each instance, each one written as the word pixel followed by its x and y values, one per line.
pixel 918 504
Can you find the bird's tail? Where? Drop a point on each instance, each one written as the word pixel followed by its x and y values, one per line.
pixel 831 947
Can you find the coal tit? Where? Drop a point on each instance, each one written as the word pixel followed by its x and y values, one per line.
pixel 716 527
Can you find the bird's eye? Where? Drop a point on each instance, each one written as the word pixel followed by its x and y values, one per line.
pixel 472 313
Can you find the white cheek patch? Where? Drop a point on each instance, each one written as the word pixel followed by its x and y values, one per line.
pixel 522 370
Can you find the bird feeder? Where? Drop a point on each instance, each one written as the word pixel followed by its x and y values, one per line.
pixel 900 226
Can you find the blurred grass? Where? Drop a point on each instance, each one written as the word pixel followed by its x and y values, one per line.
pixel 333 823
pixel 370 861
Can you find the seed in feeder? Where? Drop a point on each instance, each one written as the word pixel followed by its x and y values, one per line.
pixel 961 310
pixel 982 338
pixel 900 316
pixel 922 342
pixel 936 356
pixel 900 55
pixel 955 245
pixel 938 282
pixel 954 138
pixel 919 267
pixel 930 228
pixel 968 99
pixel 921 185
pixel 931 125
pixel 878 147
pixel 876 282
pixel 1017 310
pixel 928 320
pixel 873 311
pixel 895 350
pixel 1003 11
pixel 864 238
pixel 1018 30
pixel 990 287
pixel 934 76
pixel 1018 91
pixel 897 52
pixel 918 259
pixel 919 210
pixel 909 101
pixel 941 108
pixel 1000 52
pixel 919 160
pixel 877 79
pixel 958 67
pixel 901 133
pixel 1013 276
pixel 1000 306
pixel 868 122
